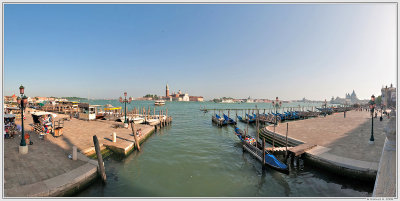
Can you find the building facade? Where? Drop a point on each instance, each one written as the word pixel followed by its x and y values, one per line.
pixel 389 96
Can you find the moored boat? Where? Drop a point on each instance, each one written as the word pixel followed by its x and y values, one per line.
pixel 159 102
pixel 152 122
pixel 219 120
pixel 229 120
pixel 270 160
pixel 138 120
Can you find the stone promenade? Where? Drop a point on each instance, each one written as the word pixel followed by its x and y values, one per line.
pixel 345 137
pixel 46 170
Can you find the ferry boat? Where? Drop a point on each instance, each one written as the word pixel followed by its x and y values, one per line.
pixel 159 102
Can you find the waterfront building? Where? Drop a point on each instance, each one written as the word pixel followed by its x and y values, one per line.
pixel 228 100
pixel 179 96
pixel 388 95
pixel 349 99
pixel 12 98
pixel 196 98
pixel 144 98
pixel 249 100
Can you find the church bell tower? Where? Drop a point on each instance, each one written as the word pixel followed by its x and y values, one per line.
pixel 167 91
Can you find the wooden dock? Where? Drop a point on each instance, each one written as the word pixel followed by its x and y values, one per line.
pixel 294 151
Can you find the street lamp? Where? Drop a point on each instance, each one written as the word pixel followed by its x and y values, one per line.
pixel 22 102
pixel 325 103
pixel 125 101
pixel 276 104
pixel 372 107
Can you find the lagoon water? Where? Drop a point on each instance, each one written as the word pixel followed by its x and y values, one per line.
pixel 194 158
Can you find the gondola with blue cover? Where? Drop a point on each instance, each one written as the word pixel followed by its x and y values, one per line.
pixel 270 159
pixel 218 120
pixel 229 120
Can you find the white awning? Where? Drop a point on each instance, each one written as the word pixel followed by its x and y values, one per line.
pixel 43 113
pixel 9 116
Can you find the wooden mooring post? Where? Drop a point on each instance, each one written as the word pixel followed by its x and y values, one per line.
pixel 287 131
pixel 166 116
pixel 273 138
pixel 263 164
pixel 236 116
pixel 99 159
pixel 134 135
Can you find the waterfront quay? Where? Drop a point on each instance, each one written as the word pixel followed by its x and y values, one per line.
pixel 80 133
pixel 342 143
pixel 47 170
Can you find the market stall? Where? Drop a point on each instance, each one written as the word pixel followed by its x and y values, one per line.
pixel 43 123
pixel 10 128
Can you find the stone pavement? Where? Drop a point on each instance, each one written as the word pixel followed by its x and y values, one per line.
pixel 44 160
pixel 80 133
pixel 344 137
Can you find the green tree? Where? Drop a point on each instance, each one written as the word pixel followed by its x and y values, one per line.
pixel 378 100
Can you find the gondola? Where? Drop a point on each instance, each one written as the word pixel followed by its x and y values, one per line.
pixel 229 120
pixel 218 120
pixel 270 160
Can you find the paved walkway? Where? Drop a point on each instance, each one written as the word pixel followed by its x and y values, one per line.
pixel 80 133
pixel 344 137
pixel 44 160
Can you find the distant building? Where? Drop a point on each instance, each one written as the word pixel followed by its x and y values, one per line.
pixel 144 98
pixel 196 98
pixel 389 96
pixel 349 99
pixel 249 100
pixel 227 100
pixel 12 98
pixel 180 96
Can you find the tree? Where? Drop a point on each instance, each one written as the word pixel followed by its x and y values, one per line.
pixel 378 100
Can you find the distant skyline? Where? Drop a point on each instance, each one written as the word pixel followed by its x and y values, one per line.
pixel 291 51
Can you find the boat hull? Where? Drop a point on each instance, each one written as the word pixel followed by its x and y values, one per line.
pixel 270 160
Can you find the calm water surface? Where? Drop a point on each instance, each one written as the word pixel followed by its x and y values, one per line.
pixel 193 158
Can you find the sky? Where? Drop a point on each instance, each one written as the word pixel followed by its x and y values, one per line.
pixel 292 51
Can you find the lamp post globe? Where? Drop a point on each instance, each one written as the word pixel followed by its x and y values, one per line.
pixel 21 89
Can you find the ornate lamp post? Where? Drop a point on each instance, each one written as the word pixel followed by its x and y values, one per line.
pixel 372 107
pixel 125 101
pixel 276 104
pixel 22 102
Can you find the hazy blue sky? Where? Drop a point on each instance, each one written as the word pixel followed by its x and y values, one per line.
pixel 261 50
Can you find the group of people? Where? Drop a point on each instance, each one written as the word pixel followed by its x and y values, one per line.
pixel 139 132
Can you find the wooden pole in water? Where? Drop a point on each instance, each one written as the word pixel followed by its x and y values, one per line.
pixel 166 116
pixel 258 126
pixel 99 158
pixel 273 138
pixel 236 115
pixel 134 135
pixel 263 152
pixel 162 118
pixel 287 131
